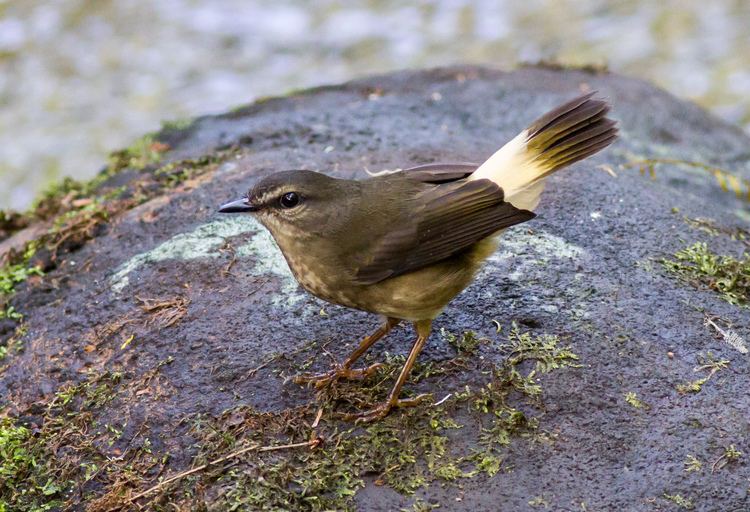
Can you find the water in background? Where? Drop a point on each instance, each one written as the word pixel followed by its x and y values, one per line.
pixel 79 78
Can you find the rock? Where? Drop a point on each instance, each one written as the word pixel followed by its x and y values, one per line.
pixel 164 329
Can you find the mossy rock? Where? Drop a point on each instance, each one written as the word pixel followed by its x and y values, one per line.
pixel 595 364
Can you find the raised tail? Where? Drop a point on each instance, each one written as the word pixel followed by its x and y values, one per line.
pixel 563 136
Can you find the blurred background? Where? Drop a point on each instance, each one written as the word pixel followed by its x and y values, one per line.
pixel 79 78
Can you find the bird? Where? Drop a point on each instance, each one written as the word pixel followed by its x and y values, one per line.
pixel 402 244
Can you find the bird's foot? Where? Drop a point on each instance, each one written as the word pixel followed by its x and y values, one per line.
pixel 321 380
pixel 380 411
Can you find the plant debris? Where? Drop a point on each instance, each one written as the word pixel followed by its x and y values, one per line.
pixel 165 312
pixel 706 363
pixel 299 458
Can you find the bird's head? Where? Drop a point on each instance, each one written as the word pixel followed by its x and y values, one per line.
pixel 295 203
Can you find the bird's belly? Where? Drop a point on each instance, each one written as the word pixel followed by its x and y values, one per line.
pixel 422 294
pixel 418 295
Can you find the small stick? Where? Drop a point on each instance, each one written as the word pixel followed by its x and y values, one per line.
pixel 278 355
pixel 317 418
pixel 443 400
pixel 265 363
pixel 311 443
pixel 723 458
pixel 233 259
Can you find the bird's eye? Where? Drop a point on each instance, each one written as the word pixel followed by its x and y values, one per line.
pixel 289 200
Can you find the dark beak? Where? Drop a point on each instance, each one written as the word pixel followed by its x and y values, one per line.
pixel 238 206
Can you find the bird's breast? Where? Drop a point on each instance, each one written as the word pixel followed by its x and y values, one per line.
pixel 319 273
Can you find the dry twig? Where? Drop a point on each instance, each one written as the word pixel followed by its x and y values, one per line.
pixel 312 443
pixel 165 312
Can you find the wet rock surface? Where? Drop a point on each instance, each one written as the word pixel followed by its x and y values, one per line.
pixel 190 309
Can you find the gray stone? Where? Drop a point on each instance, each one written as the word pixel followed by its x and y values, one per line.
pixel 586 269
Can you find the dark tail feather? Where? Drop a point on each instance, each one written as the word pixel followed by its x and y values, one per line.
pixel 570 133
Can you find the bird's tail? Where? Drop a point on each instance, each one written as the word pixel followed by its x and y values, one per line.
pixel 565 135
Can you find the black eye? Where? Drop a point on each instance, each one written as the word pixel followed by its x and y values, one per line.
pixel 289 200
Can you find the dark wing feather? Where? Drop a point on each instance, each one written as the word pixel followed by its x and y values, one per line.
pixel 445 220
pixel 440 173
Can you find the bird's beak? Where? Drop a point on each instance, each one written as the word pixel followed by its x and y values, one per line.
pixel 238 206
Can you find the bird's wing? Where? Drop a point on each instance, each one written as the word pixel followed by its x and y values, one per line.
pixel 443 220
pixel 440 173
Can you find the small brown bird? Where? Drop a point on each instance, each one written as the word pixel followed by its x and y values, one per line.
pixel 403 244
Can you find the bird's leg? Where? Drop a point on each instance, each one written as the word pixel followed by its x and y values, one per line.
pixel 344 370
pixel 423 328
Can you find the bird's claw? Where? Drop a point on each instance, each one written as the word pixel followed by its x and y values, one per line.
pixel 380 411
pixel 322 380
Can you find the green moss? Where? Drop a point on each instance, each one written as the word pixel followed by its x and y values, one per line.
pixel 11 275
pixel 407 451
pixel 177 124
pixel 467 344
pixel 421 506
pixel 543 349
pixel 24 482
pixel 66 448
pixel 693 464
pixel 539 501
pixel 632 398
pixel 51 201
pixel 506 420
pixel 69 195
pixel 726 275
pixel 78 209
pixel 75 209
pixel 708 364
pixel 32 478
pixel 10 313
pixel 15 273
pixel 404 452
pixel 680 501
pixel 15 343
pixel 694 386
pixel 174 173
pixel 587 67
pixel 731 454
pixel 142 153
pixel 78 222
pixel 74 212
